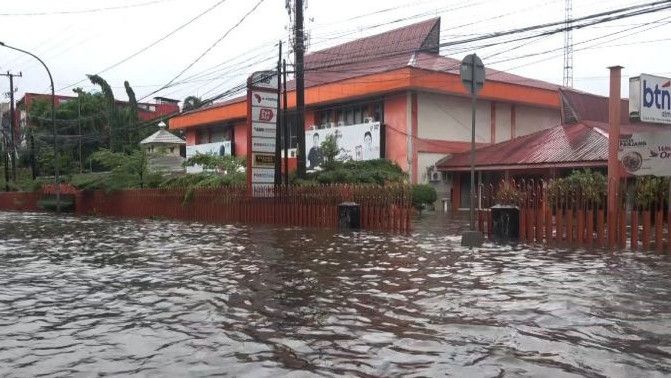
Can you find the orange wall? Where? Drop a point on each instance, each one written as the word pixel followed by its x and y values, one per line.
pixel 240 138
pixel 396 130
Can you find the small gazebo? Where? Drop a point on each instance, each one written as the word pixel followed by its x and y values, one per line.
pixel 165 150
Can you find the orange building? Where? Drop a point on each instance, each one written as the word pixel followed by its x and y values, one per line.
pixel 400 79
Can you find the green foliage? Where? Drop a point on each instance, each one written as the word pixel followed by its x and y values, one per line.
pixel 592 184
pixel 423 195
pixel 329 148
pixel 132 117
pixel 508 195
pixel 125 171
pixel 380 172
pixel 204 180
pixel 649 190
pixel 191 103
pixel 224 164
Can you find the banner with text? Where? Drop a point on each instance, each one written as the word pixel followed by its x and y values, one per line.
pixel 262 99
pixel 647 153
pixel 354 142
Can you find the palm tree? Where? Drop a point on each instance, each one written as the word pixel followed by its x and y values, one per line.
pixel 191 103
pixel 111 107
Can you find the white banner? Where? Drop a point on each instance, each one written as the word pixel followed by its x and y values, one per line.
pixel 263 145
pixel 263 130
pixel 263 175
pixel 217 148
pixel 355 142
pixel 264 99
pixel 647 153
pixel 264 114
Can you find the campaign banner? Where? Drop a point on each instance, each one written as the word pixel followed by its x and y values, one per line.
pixel 647 153
pixel 217 149
pixel 355 142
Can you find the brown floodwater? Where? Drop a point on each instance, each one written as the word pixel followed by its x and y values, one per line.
pixel 90 296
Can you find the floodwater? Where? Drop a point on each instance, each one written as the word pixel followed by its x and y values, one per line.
pixel 84 297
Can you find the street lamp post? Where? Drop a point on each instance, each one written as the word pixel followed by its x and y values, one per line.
pixel 53 123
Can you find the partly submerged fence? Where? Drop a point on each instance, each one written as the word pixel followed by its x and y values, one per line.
pixel 20 201
pixel 578 216
pixel 382 208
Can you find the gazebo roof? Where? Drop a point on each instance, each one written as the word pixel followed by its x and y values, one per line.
pixel 163 137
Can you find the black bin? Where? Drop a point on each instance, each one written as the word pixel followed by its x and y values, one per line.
pixel 505 222
pixel 349 216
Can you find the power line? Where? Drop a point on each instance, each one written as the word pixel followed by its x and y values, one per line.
pixel 152 44
pixel 84 11
pixel 207 50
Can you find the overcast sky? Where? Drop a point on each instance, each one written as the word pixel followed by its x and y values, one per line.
pixel 78 37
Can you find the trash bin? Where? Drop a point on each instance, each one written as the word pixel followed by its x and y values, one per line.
pixel 349 216
pixel 505 222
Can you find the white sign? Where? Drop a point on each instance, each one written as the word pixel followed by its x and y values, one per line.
pixel 650 98
pixel 265 99
pixel 263 145
pixel 217 148
pixel 264 130
pixel 263 175
pixel 647 153
pixel 264 79
pixel 355 142
pixel 264 114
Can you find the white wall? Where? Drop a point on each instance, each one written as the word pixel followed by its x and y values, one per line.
pixel 503 114
pixel 529 119
pixel 443 117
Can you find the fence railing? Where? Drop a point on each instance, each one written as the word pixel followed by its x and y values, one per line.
pixel 382 208
pixel 578 216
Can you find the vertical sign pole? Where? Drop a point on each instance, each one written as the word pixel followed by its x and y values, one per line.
pixel 278 125
pixel 300 89
pixel 286 124
pixel 473 99
pixel 613 145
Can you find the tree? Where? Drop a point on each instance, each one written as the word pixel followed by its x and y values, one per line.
pixel 112 114
pixel 133 133
pixel 191 103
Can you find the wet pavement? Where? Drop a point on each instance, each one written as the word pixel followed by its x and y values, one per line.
pixel 89 296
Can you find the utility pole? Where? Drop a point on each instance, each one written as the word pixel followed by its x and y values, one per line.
pixel 11 145
pixel 300 87
pixel 79 128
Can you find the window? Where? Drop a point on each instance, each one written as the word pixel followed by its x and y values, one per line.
pixel 350 114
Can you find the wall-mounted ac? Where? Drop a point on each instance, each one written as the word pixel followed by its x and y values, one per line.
pixel 313 127
pixel 368 120
pixel 433 174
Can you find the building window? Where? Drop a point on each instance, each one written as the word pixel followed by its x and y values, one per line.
pixel 350 114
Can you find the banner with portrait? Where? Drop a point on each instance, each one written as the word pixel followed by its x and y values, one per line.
pixel 355 142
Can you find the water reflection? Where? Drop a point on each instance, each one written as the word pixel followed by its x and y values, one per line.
pixel 88 296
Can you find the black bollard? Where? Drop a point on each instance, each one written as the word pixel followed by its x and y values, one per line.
pixel 506 222
pixel 349 216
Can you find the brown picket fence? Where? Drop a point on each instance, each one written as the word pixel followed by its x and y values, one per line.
pixel 382 208
pixel 20 201
pixel 579 217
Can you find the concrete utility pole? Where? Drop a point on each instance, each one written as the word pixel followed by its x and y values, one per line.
pixel 12 128
pixel 614 104
pixel 300 88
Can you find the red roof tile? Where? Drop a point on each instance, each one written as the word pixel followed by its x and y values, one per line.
pixel 555 146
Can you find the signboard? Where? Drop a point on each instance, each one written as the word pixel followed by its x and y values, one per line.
pixel 646 153
pixel 355 142
pixel 217 148
pixel 472 74
pixel 262 111
pixel 650 98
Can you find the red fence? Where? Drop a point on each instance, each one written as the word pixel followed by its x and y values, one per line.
pixel 19 201
pixel 382 208
pixel 579 218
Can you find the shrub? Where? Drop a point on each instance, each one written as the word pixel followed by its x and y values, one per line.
pixel 380 172
pixel 649 190
pixel 422 195
pixel 508 195
pixel 592 185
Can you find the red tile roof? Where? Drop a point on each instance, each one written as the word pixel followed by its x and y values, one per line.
pixel 557 146
pixel 584 141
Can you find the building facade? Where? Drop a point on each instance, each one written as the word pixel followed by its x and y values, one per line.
pixel 399 79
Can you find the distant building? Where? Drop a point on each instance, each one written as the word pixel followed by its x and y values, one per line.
pixel 399 79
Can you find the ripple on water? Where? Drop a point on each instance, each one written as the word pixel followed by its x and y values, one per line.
pixel 82 296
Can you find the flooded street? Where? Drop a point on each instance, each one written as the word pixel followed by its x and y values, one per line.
pixel 130 297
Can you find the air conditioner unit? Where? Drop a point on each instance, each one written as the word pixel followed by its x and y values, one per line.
pixel 368 120
pixel 313 127
pixel 433 174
